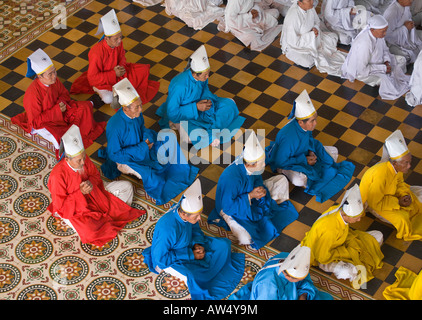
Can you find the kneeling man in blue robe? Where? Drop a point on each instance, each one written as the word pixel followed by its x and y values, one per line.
pixel 283 277
pixel 179 247
pixel 245 205
pixel 303 159
pixel 154 158
pixel 199 115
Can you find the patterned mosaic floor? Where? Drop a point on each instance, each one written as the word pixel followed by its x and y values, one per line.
pixel 351 117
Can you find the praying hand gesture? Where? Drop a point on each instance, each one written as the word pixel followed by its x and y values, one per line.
pixel 198 252
pixel 150 144
pixel 62 106
pixel 203 105
pixel 312 158
pixel 254 13
pixel 86 187
pixel 120 71
pixel 258 193
pixel 409 24
pixel 405 201
pixel 315 30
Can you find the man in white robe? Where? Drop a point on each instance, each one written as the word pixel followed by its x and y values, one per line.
pixel 304 43
pixel 195 13
pixel 252 23
pixel 370 61
pixel 414 96
pixel 402 36
pixel 339 17
pixel 148 3
pixel 416 10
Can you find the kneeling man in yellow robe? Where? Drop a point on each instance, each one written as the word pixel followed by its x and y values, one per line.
pixel 387 195
pixel 335 247
pixel 408 286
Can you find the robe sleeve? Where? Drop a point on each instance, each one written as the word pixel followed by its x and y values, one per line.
pixel 124 154
pixel 96 75
pixel 268 290
pixel 176 111
pixel 306 286
pixel 284 153
pixel 378 199
pixel 38 113
pixel 402 187
pixel 67 198
pixel 197 234
pixel 164 255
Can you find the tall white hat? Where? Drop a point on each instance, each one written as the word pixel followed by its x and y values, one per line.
pixel 352 202
pixel 38 63
pixel 199 60
pixel 109 24
pixel 395 145
pixel 297 263
pixel 253 150
pixel 126 92
pixel 192 198
pixel 303 107
pixel 72 142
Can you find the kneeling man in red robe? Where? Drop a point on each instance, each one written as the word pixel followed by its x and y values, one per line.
pixel 49 111
pixel 108 65
pixel 78 195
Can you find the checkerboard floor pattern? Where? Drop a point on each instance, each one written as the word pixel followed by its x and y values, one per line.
pixel 264 84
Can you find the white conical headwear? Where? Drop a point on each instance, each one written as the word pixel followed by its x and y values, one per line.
pixel 395 145
pixel 72 142
pixel 192 198
pixel 199 60
pixel 361 18
pixel 352 202
pixel 253 150
pixel 377 22
pixel 109 24
pixel 303 107
pixel 38 63
pixel 126 92
pixel 297 263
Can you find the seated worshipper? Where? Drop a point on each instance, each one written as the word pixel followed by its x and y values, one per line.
pixel 195 13
pixel 374 6
pixel 199 115
pixel 108 65
pixel 388 196
pixel 342 17
pixel 402 37
pixel 408 286
pixel 49 110
pixel 416 10
pixel 179 247
pixel 304 43
pixel 251 22
pixel 414 96
pixel 245 205
pixel 134 149
pixel 79 197
pixel 283 277
pixel 303 159
pixel 335 247
pixel 369 60
pixel 148 3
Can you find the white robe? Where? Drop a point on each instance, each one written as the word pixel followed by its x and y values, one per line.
pixel 195 13
pixel 416 10
pixel 375 6
pixel 402 41
pixel 336 16
pixel 300 45
pixel 414 96
pixel 365 62
pixel 147 3
pixel 260 32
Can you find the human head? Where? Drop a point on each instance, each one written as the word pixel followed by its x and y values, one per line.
pixel 133 110
pixel 190 217
pixel 378 26
pixel 201 76
pixel 308 124
pixel 405 3
pixel 398 154
pixel 352 208
pixel 254 154
pixel 128 98
pixel 297 264
pixel 305 4
pixel 257 167
pixel 402 164
pixel 199 64
pixel 48 77
pixel 114 40
pixel 191 205
pixel 76 162
pixel 109 25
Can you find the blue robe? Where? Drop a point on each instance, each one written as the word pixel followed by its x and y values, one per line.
pixel 183 94
pixel 264 219
pixel 165 173
pixel 213 277
pixel 289 152
pixel 269 285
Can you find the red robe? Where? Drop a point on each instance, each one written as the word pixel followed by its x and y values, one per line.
pixel 97 216
pixel 42 110
pixel 101 74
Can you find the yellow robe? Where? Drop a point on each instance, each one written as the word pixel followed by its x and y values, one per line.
pixel 331 240
pixel 381 187
pixel 408 286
